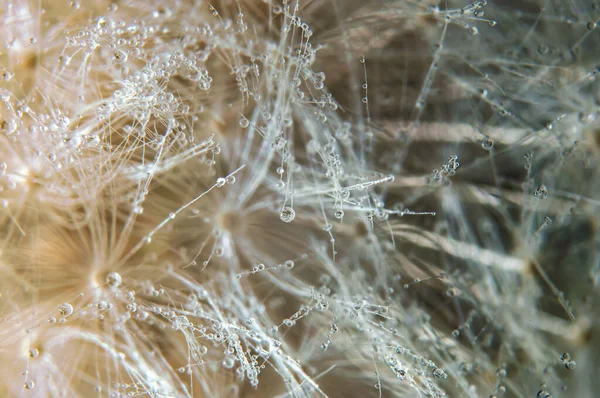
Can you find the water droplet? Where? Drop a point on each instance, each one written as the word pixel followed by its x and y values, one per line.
pixel 29 385
pixel 439 373
pixel 541 192
pixel 570 365
pixel 221 181
pixel 265 346
pixel 244 123
pixel 289 264
pixel 228 362
pixel 287 214
pixel 119 56
pixel 113 279
pixel 278 143
pixel 543 394
pixel 65 309
pixel 34 352
pixel 487 144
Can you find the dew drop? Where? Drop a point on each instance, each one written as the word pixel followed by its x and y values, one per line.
pixel 543 49
pixel 570 365
pixel 487 144
pixel 541 192
pixel 119 56
pixel 543 394
pixel 265 346
pixel 65 309
pixel 439 373
pixel 228 362
pixel 113 279
pixel 287 214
